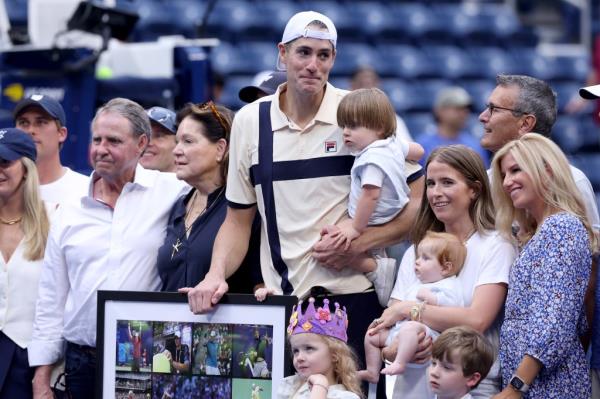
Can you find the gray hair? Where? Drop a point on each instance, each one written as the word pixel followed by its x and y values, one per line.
pixel 536 97
pixel 130 110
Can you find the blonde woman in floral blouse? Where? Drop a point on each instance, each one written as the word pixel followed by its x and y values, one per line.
pixel 540 352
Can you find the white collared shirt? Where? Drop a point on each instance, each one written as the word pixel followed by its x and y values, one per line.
pixel 19 279
pixel 93 247
pixel 18 287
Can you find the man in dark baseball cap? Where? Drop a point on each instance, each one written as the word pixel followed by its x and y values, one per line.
pixel 159 153
pixel 15 143
pixel 43 118
pixel 264 83
pixel 47 103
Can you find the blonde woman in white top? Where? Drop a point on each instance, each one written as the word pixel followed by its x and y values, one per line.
pixel 23 232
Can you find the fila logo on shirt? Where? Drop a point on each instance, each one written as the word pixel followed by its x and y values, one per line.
pixel 331 146
pixel 2 133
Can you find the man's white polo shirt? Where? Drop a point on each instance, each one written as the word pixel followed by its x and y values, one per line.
pixel 310 186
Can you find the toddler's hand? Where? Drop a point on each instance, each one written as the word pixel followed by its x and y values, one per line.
pixel 318 380
pixel 345 236
pixel 425 295
pixel 261 293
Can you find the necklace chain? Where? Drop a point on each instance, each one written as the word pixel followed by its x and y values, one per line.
pixel 11 222
pixel 179 241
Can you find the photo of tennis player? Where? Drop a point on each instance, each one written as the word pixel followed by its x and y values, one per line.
pixel 212 349
pixel 190 387
pixel 134 344
pixel 172 347
pixel 163 386
pixel 133 386
pixel 251 389
pixel 253 351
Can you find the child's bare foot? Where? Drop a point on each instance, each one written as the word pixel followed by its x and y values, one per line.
pixel 368 376
pixel 393 369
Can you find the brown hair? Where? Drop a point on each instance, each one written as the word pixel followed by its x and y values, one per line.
pixel 469 164
pixel 216 120
pixel 447 247
pixel 467 346
pixel 368 108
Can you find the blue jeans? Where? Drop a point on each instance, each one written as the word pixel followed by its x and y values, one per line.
pixel 80 370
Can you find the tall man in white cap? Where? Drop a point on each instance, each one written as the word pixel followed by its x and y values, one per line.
pixel 44 119
pixel 593 93
pixel 289 161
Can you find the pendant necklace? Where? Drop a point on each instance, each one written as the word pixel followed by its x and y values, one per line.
pixel 11 222
pixel 179 241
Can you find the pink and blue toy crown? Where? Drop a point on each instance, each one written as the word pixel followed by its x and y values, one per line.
pixel 319 321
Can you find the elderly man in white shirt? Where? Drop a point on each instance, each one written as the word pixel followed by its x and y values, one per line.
pixel 107 242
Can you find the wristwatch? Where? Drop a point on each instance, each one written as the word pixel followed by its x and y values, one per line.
pixel 518 384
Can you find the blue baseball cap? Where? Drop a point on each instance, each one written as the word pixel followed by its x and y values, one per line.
pixel 164 117
pixel 265 82
pixel 15 143
pixel 47 103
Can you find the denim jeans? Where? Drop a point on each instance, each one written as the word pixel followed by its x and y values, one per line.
pixel 80 369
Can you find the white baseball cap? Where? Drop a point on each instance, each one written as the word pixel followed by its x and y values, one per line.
pixel 590 92
pixel 297 27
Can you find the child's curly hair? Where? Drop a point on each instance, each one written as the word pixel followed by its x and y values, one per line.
pixel 344 363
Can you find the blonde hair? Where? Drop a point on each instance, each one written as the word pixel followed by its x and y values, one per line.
pixel 470 166
pixel 344 364
pixel 447 247
pixel 368 108
pixel 35 221
pixel 547 167
pixel 465 345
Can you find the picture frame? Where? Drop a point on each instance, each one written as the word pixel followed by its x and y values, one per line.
pixel 150 345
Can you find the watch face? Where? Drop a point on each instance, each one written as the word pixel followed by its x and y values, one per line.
pixel 517 383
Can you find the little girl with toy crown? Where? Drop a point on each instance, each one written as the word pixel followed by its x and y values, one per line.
pixel 325 365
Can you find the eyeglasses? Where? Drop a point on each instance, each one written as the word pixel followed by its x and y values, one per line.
pixel 209 105
pixel 492 108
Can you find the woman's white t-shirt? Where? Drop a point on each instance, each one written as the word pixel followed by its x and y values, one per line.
pixel 488 261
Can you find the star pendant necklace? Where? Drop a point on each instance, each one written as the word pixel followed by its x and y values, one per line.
pixel 179 241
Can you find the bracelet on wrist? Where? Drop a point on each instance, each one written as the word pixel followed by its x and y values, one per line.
pixel 416 312
pixel 320 385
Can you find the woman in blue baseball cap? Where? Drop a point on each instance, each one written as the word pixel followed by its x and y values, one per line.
pixel 23 231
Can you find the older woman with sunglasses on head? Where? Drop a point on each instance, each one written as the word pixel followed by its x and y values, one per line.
pixel 23 231
pixel 540 352
pixel 201 158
